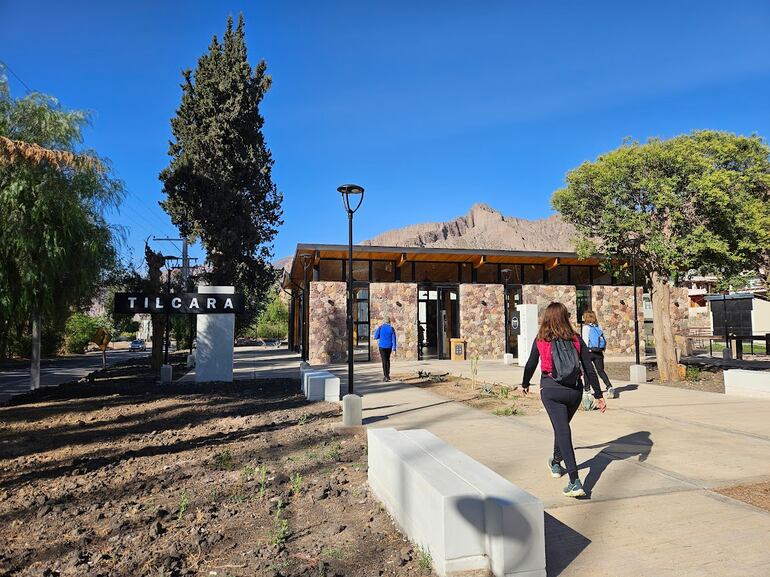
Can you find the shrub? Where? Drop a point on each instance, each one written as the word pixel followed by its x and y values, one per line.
pixel 78 332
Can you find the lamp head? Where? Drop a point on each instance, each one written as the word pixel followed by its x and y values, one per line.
pixel 348 190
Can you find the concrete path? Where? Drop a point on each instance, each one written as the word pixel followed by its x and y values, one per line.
pixel 649 462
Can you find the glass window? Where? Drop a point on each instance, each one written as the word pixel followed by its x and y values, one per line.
pixel 487 273
pixel 383 271
pixel 406 272
pixel 330 270
pixel 582 301
pixel 514 277
pixel 558 275
pixel 436 272
pixel 533 274
pixel 601 277
pixel 580 275
pixel 466 272
pixel 361 270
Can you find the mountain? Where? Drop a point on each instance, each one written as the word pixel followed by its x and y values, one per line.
pixel 484 228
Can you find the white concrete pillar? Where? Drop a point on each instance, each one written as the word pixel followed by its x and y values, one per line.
pixel 216 337
pixel 166 374
pixel 352 412
pixel 528 327
pixel 638 374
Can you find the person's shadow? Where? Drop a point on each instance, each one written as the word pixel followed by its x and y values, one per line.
pixel 637 444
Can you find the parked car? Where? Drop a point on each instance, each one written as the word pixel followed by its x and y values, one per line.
pixel 137 345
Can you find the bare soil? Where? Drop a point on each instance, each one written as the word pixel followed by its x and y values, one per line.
pixel 501 400
pixel 121 477
pixel 707 379
pixel 757 495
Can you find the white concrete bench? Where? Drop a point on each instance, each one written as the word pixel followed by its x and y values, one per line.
pixel 320 386
pixel 468 516
pixel 743 383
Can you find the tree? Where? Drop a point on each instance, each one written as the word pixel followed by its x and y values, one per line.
pixel 273 322
pixel 54 240
pixel 218 185
pixel 695 202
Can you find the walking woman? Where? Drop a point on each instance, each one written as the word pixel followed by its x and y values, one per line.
pixel 563 356
pixel 593 335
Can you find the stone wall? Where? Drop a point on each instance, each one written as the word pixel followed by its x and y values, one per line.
pixel 327 341
pixel 680 310
pixel 614 308
pixel 482 320
pixel 543 295
pixel 399 300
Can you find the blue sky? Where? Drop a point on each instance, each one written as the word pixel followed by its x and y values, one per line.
pixel 431 106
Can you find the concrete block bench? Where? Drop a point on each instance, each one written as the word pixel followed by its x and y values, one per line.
pixel 320 386
pixel 743 383
pixel 467 516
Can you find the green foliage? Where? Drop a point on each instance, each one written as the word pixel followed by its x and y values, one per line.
pixel 280 529
pixel 296 483
pixel 248 471
pixel 262 481
pixel 273 322
pixel 184 503
pixel 80 329
pixel 424 558
pixel 692 373
pixel 505 392
pixel 55 244
pixel 333 453
pixel 506 411
pixel 218 185
pixel 695 202
pixel 224 460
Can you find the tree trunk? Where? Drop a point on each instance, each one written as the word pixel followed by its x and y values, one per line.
pixel 665 349
pixel 34 370
pixel 157 341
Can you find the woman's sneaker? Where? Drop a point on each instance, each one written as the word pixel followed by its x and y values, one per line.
pixel 574 489
pixel 556 469
pixel 610 392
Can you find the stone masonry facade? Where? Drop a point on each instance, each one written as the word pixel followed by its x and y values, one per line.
pixel 399 300
pixel 327 340
pixel 543 295
pixel 614 308
pixel 482 320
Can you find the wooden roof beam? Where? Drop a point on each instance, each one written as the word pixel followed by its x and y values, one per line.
pixel 480 261
pixel 402 261
pixel 551 264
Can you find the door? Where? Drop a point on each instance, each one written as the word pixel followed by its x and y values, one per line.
pixel 513 297
pixel 438 321
pixel 361 332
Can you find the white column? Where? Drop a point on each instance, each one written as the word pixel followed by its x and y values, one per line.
pixel 215 338
pixel 528 327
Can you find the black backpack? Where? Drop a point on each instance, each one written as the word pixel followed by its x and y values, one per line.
pixel 566 362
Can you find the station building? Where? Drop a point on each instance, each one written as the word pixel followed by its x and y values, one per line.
pixel 433 295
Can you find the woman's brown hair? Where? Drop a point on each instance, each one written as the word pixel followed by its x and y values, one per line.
pixel 555 324
pixel 589 317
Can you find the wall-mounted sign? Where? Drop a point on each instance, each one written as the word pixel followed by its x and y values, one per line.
pixel 189 303
pixel 515 323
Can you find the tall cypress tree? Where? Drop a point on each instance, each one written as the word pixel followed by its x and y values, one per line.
pixel 218 185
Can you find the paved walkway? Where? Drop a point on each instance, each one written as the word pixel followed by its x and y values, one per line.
pixel 649 461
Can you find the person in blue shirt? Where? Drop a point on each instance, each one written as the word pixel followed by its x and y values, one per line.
pixel 386 336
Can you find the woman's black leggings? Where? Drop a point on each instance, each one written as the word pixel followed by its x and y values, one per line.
pixel 598 361
pixel 561 403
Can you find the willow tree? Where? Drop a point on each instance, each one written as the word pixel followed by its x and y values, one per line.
pixel 218 185
pixel 54 240
pixel 697 202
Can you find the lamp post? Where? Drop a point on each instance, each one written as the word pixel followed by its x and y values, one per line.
pixel 305 298
pixel 348 190
pixel 636 309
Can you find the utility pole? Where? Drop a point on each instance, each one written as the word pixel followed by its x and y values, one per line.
pixel 185 277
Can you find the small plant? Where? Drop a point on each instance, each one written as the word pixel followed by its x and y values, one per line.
pixel 184 502
pixel 333 452
pixel 506 411
pixel 332 552
pixel 302 420
pixel 224 460
pixel 505 392
pixel 474 370
pixel 692 373
pixel 262 481
pixel 280 529
pixel 248 472
pixel 486 389
pixel 296 483
pixel 424 558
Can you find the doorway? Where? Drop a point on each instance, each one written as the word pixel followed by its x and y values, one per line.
pixel 438 321
pixel 513 297
pixel 361 331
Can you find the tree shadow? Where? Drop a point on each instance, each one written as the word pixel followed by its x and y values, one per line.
pixel 637 444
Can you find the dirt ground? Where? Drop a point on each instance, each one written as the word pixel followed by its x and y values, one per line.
pixel 121 477
pixel 703 379
pixel 493 398
pixel 757 495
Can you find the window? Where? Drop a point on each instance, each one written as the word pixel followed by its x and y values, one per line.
pixel 558 275
pixel 487 273
pixel 514 277
pixel 583 301
pixel 407 272
pixel 601 277
pixel 580 275
pixel 360 270
pixel 436 272
pixel 383 271
pixel 329 270
pixel 533 274
pixel 466 272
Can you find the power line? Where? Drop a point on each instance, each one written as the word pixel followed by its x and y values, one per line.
pixel 16 76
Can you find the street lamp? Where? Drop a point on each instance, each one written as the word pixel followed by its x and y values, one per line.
pixel 348 190
pixel 305 304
